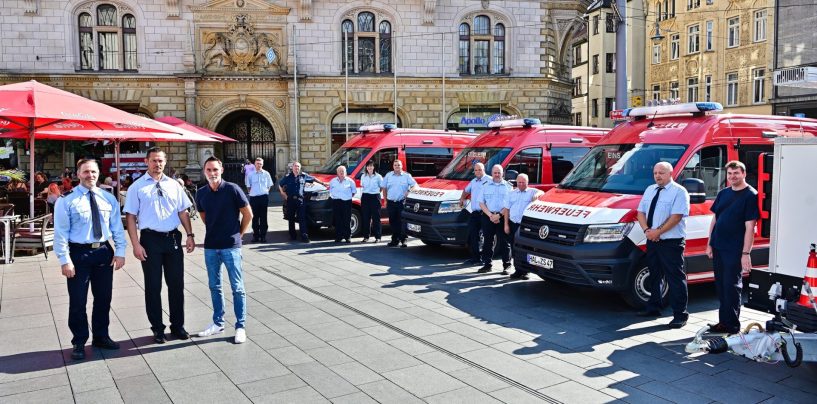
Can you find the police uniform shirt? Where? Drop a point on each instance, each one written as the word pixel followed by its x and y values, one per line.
pixel 73 222
pixel 371 184
pixel 397 185
pixel 493 194
pixel 474 187
pixel 294 185
pixel 673 200
pixel 155 210
pixel 259 182
pixel 516 202
pixel 343 190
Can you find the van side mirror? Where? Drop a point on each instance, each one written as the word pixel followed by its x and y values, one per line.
pixel 696 189
pixel 511 175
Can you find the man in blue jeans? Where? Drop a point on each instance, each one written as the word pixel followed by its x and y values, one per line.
pixel 219 204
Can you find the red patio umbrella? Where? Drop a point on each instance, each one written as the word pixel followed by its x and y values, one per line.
pixel 172 120
pixel 32 110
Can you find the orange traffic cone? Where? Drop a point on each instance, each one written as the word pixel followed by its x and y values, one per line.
pixel 810 279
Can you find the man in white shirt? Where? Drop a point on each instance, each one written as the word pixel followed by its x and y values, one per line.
pixel 514 207
pixel 258 185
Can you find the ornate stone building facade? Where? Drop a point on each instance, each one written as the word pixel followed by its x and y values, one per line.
pixel 718 50
pixel 230 65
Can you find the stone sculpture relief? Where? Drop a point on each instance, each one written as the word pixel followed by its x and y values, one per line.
pixel 241 49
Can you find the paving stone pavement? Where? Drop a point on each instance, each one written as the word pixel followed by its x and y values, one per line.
pixel 359 323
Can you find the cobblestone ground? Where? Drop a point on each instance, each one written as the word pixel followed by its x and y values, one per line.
pixel 357 323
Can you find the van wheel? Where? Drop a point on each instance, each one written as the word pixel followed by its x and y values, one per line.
pixel 431 243
pixel 354 226
pixel 638 289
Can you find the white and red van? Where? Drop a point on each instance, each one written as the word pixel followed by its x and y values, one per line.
pixel 583 232
pixel 546 153
pixel 424 152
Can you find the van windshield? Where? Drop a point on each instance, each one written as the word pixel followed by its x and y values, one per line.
pixel 622 168
pixel 350 157
pixel 462 167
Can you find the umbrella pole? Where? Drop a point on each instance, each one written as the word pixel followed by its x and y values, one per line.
pixel 118 171
pixel 31 170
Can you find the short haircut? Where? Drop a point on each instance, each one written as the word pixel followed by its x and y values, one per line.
pixel 80 162
pixel 736 164
pixel 295 163
pixel 497 166
pixel 663 164
pixel 478 164
pixel 259 159
pixel 213 158
pixel 155 149
pixel 522 175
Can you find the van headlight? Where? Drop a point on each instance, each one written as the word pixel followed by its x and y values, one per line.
pixel 321 195
pixel 449 207
pixel 602 233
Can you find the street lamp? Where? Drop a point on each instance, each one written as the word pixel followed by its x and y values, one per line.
pixel 657 37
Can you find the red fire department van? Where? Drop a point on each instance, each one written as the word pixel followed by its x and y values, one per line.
pixel 584 231
pixel 546 153
pixel 424 152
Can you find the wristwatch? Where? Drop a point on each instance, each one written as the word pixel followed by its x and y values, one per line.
pixel 746 253
pixel 191 235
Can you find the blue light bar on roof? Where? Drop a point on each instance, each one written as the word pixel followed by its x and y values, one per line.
pixel 674 109
pixel 527 123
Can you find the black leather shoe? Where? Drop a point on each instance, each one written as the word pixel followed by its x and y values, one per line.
pixel 181 333
pixel 105 343
pixel 677 322
pixel 347 241
pixel 78 353
pixel 159 337
pixel 485 269
pixel 403 244
pixel 377 240
pixel 392 244
pixel 720 328
pixel 471 261
pixel 305 239
pixel 365 240
pixel 648 313
pixel 263 239
pixel 519 275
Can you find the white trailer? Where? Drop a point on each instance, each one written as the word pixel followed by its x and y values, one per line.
pixel 790 178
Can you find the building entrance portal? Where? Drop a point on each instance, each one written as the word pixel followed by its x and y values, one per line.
pixel 255 138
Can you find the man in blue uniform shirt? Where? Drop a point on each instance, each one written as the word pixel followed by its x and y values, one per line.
pixel 292 190
pixel 492 203
pixel 662 215
pixel 514 207
pixel 219 203
pixel 85 220
pixel 158 204
pixel 736 213
pixel 341 190
pixel 258 184
pixel 474 191
pixel 396 185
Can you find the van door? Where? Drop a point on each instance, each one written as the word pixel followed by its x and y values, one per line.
pixel 706 165
pixel 526 161
pixel 424 163
pixel 383 161
pixel 561 161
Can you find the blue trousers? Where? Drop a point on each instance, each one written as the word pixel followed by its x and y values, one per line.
pixel 728 284
pixel 296 212
pixel 91 266
pixel 370 211
pixel 259 204
pixel 666 261
pixel 231 258
pixel 503 249
pixel 474 227
pixel 342 215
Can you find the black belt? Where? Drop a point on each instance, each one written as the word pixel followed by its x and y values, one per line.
pixel 161 233
pixel 396 201
pixel 88 246
pixel 496 213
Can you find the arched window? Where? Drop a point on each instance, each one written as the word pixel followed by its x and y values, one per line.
pixel 385 46
pixel 659 16
pixel 129 41
pixel 112 38
pixel 369 50
pixel 488 56
pixel 465 49
pixel 499 50
pixel 86 42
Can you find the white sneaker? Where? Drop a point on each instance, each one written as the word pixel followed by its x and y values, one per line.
pixel 212 329
pixel 240 336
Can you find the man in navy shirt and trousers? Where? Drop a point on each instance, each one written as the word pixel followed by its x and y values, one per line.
pixel 736 212
pixel 292 190
pixel 219 203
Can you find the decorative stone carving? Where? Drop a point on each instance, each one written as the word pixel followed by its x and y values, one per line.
pixel 280 103
pixel 429 7
pixel 30 7
pixel 486 4
pixel 173 10
pixel 241 49
pixel 306 10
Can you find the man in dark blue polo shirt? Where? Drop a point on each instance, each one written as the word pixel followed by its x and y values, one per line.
pixel 219 204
